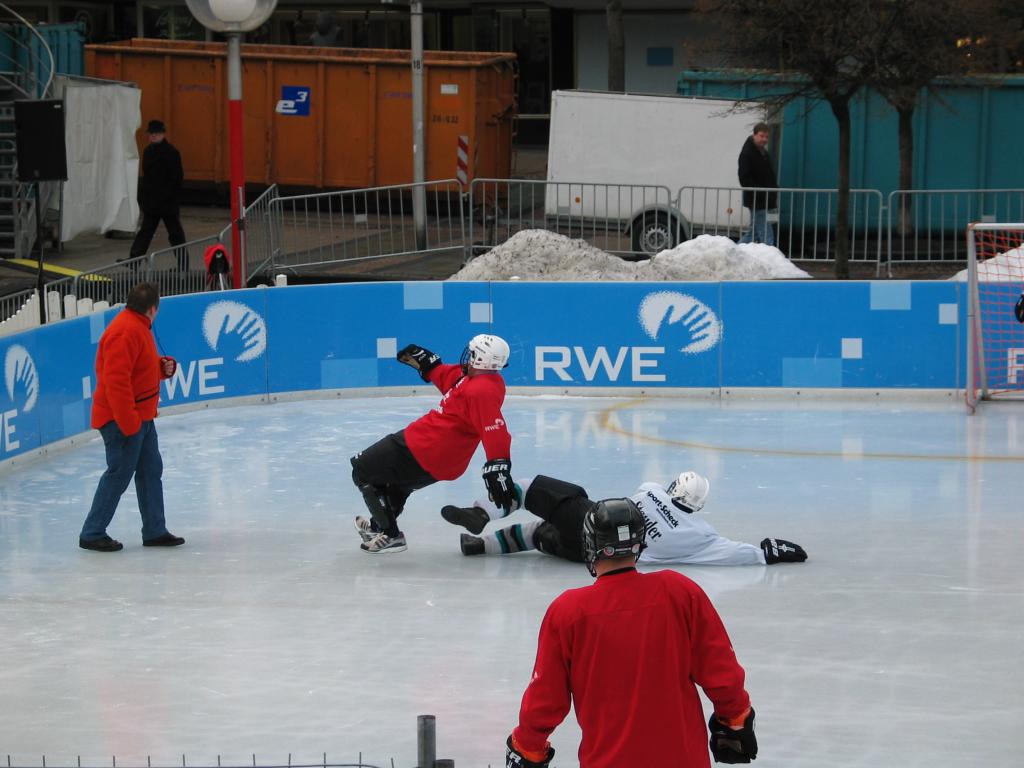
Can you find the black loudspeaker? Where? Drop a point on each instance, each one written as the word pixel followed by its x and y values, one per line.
pixel 39 127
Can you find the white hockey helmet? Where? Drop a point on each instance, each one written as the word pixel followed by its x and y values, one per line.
pixel 486 352
pixel 689 491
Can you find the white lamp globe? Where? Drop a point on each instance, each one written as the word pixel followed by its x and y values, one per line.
pixel 235 11
pixel 231 15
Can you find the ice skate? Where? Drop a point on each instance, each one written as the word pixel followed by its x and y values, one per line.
pixel 381 543
pixel 473 519
pixel 471 545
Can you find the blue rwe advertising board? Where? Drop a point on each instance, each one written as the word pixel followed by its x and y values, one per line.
pixel 628 336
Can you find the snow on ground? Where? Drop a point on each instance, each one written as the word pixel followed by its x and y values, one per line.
pixel 536 254
pixel 1002 268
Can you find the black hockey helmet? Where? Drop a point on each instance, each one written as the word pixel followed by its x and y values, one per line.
pixel 613 528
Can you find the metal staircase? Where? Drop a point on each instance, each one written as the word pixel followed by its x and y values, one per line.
pixel 26 72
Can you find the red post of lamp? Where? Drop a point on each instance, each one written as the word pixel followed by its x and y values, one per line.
pixel 233 18
pixel 236 145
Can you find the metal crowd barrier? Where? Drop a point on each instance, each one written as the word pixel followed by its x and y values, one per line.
pixel 803 221
pixel 634 220
pixel 631 220
pixel 928 225
pixel 163 267
pixel 259 231
pixel 181 269
pixel 11 304
pixel 361 225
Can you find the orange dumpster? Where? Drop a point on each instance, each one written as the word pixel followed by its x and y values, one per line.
pixel 322 117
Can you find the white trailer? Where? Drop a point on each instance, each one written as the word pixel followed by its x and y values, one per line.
pixel 622 159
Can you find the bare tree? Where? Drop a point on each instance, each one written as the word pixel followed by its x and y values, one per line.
pixel 616 47
pixel 819 41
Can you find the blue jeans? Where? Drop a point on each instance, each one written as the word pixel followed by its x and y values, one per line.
pixel 138 455
pixel 760 230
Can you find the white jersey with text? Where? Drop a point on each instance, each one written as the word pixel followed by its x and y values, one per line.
pixel 673 536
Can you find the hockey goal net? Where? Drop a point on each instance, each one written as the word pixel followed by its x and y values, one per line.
pixel 995 312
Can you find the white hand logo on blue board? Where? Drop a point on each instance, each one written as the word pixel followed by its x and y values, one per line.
pixel 21 378
pixel 696 324
pixel 235 331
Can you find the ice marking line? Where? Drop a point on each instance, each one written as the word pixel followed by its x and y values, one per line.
pixel 604 420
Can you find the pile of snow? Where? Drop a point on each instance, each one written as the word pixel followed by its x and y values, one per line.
pixel 708 257
pixel 1002 268
pixel 536 254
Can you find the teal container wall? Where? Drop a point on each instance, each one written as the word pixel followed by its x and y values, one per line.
pixel 66 41
pixel 965 136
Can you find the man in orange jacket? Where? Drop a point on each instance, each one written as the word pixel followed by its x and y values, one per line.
pixel 128 375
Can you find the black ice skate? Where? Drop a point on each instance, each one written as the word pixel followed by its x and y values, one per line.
pixel 473 519
pixel 471 545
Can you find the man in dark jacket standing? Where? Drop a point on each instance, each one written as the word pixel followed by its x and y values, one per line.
pixel 159 193
pixel 757 177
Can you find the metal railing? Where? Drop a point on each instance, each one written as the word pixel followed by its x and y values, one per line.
pixel 803 221
pixel 624 219
pixel 260 225
pixel 426 757
pixel 11 304
pixel 162 267
pixel 304 231
pixel 22 70
pixel 110 284
pixel 928 225
pixel 360 225
pixel 116 762
pixel 29 71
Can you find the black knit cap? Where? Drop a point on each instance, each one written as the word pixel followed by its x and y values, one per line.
pixel 156 126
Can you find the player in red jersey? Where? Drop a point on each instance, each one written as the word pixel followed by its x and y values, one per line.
pixel 628 652
pixel 439 444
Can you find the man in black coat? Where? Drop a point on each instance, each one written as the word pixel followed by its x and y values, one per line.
pixel 159 193
pixel 757 177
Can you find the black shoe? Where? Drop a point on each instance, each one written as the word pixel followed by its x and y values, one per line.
pixel 471 545
pixel 106 544
pixel 473 519
pixel 166 540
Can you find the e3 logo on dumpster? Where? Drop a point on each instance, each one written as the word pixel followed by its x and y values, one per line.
pixel 294 101
pixel 22 384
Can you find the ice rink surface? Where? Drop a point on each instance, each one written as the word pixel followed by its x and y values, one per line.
pixel 899 642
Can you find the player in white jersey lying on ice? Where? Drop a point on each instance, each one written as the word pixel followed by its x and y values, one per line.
pixel 674 534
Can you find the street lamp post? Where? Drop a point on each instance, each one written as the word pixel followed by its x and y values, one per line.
pixel 419 147
pixel 233 18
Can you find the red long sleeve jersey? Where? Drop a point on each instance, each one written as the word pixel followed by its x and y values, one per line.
pixel 630 650
pixel 443 440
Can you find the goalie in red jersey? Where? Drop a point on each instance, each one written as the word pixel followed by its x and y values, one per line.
pixel 439 444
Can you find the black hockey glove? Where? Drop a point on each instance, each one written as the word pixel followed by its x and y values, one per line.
pixel 1018 309
pixel 732 745
pixel 423 360
pixel 515 759
pixel 498 479
pixel 782 551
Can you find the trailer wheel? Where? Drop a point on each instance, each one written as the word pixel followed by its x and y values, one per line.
pixel 653 232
